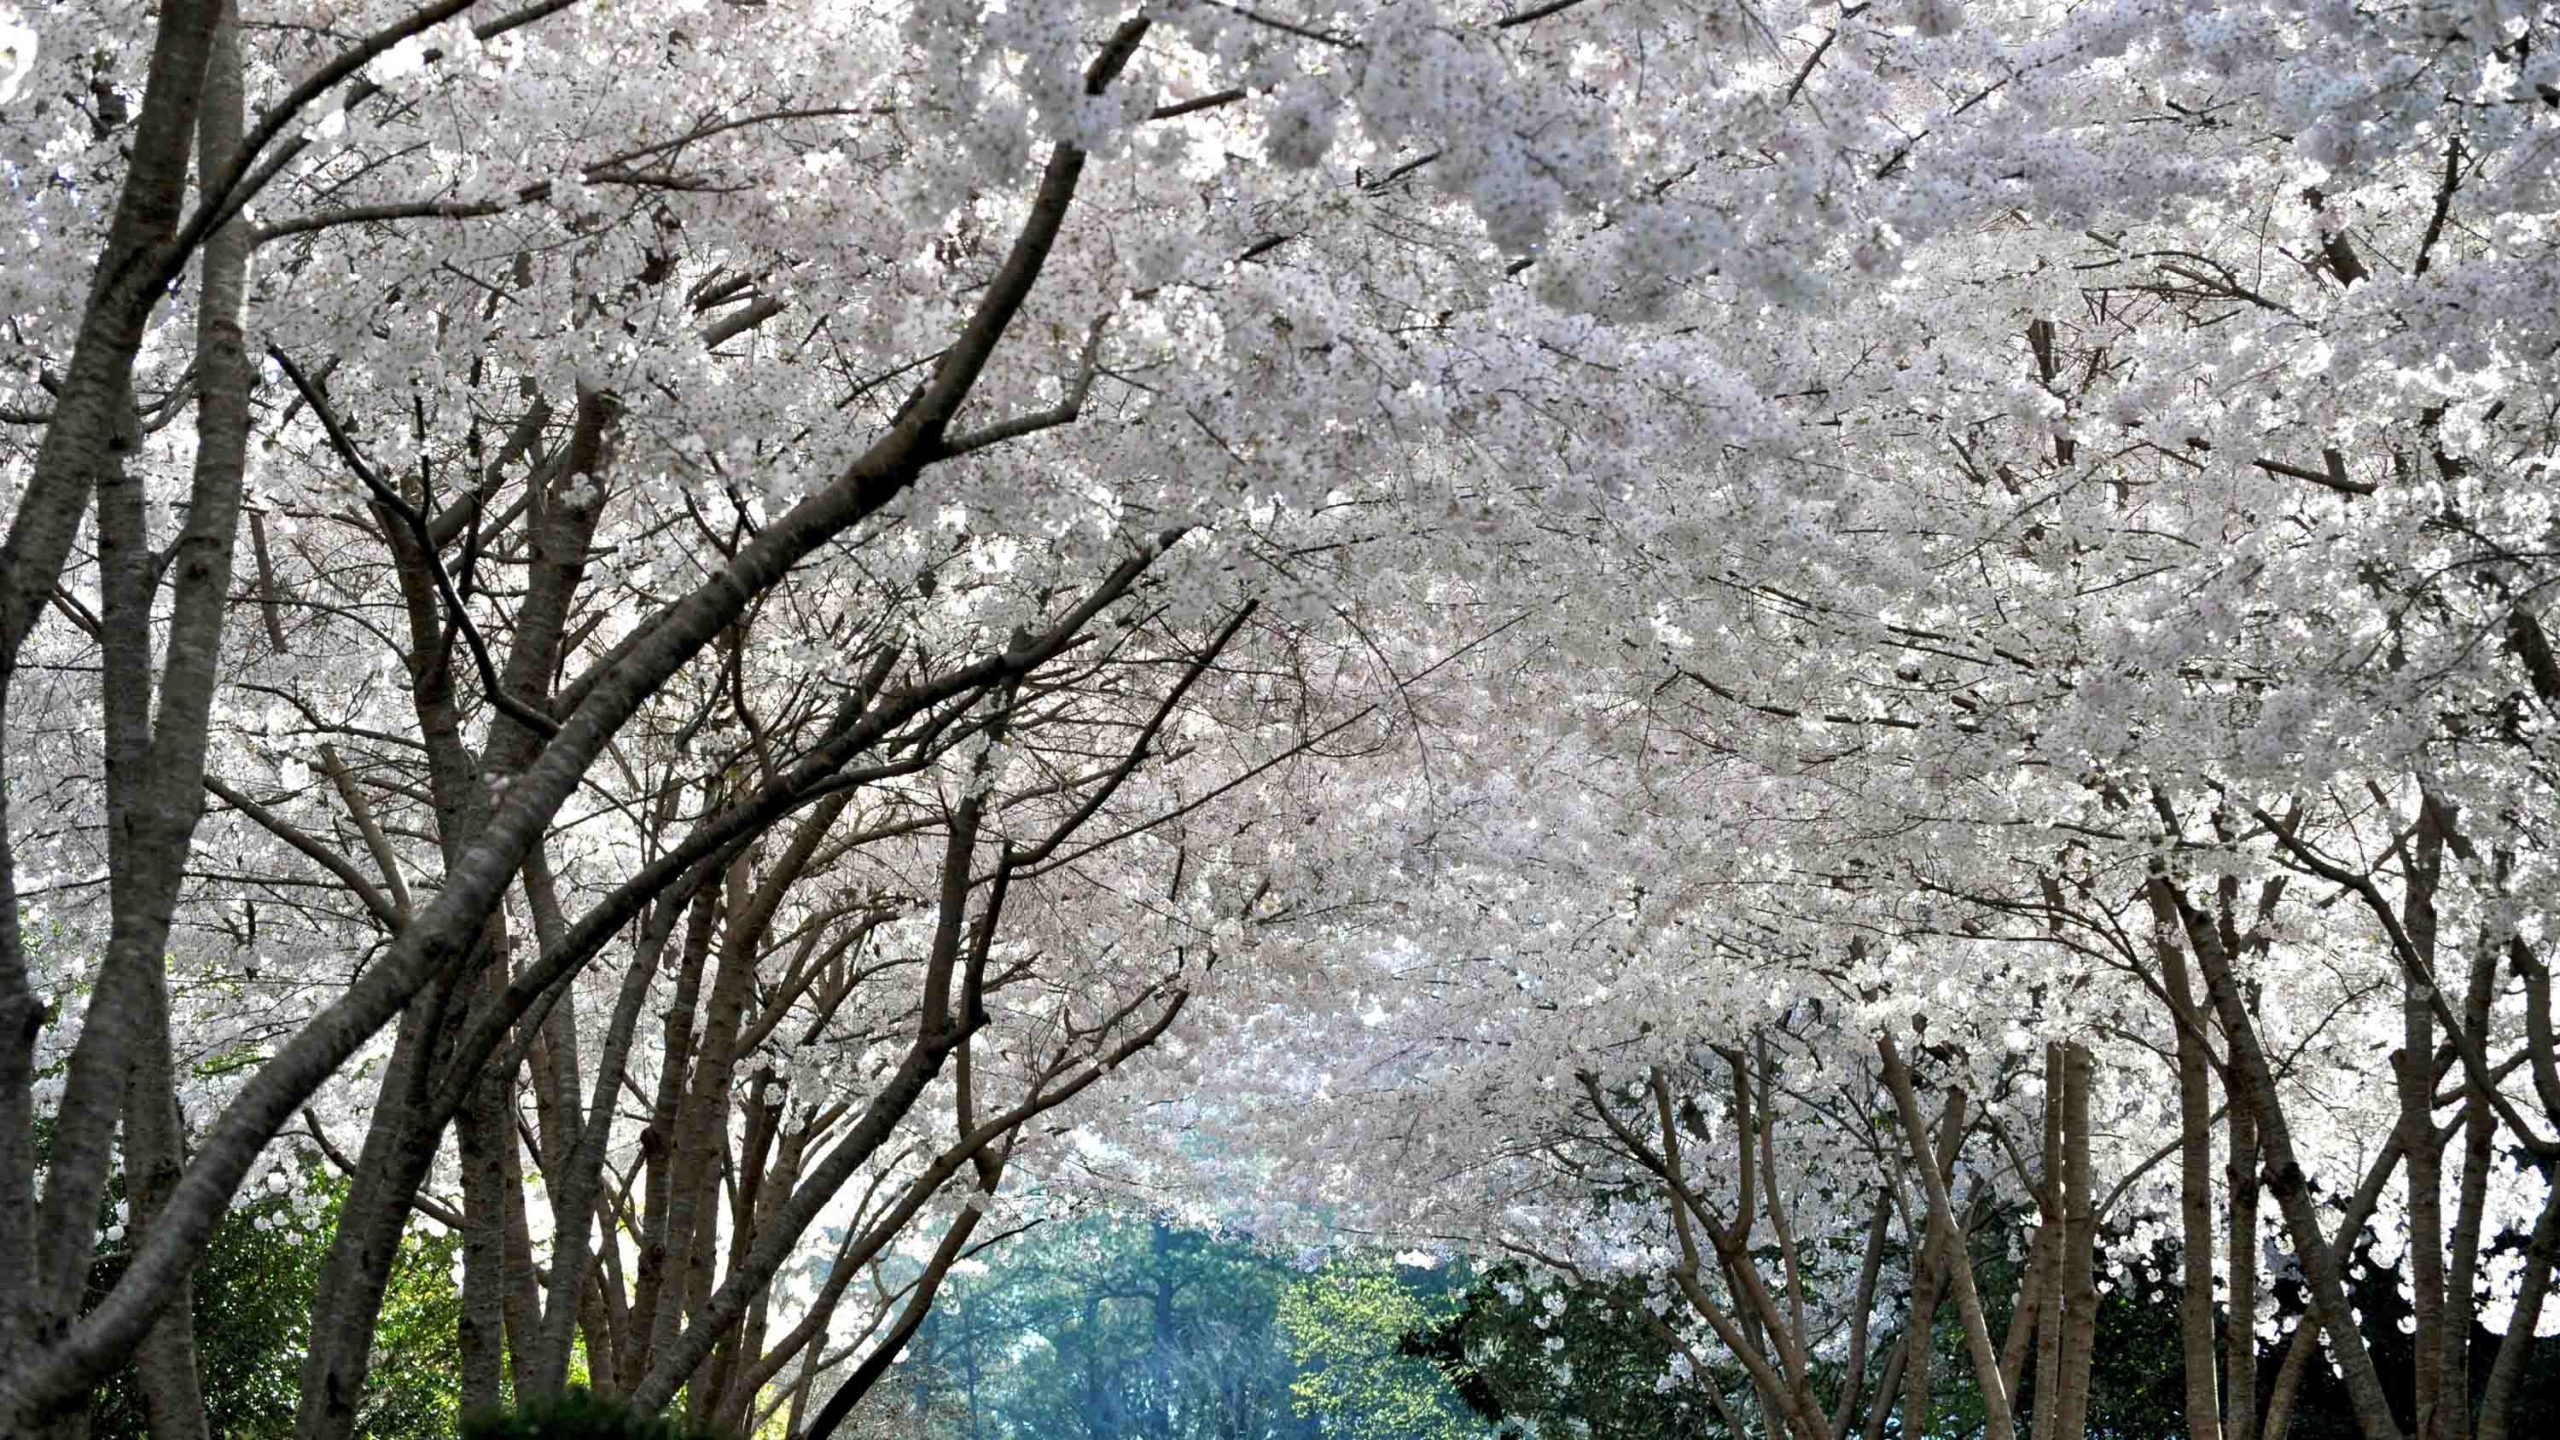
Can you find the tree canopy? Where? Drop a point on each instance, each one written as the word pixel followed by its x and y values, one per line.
pixel 1845 676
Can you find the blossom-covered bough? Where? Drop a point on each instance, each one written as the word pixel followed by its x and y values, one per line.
pixel 779 591
pixel 404 582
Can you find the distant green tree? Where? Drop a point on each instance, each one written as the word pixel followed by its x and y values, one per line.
pixel 1102 1328
pixel 1346 1326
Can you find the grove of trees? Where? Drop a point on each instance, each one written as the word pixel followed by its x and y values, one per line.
pixel 1838 674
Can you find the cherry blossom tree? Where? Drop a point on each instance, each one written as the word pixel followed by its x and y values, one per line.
pixel 737 606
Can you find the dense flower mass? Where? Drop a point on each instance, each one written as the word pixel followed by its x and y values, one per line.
pixel 1738 649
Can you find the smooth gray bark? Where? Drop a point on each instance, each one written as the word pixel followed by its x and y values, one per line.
pixel 44 1250
pixel 1946 1232
pixel 2284 1176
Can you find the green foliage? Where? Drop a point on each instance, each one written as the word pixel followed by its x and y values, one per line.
pixel 252 1310
pixel 2137 1373
pixel 252 1315
pixel 1103 1329
pixel 1346 1327
pixel 1106 1329
pixel 1592 1368
pixel 579 1414
pixel 415 1388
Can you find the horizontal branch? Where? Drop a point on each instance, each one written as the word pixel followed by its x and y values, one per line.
pixel 327 857
pixel 2334 477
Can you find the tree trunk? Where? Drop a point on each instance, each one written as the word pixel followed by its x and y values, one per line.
pixel 2079 1250
pixel 2479 1135
pixel 2322 1267
pixel 172 1390
pixel 83 441
pixel 1845 1410
pixel 2240 1324
pixel 2498 1400
pixel 155 1129
pixel 524 1286
pixel 2049 1203
pixel 2027 1316
pixel 1948 1231
pixel 576 1192
pixel 399 1148
pixel 479 1131
pixel 1920 1327
pixel 658 1248
pixel 2422 1154
pixel 2195 1175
